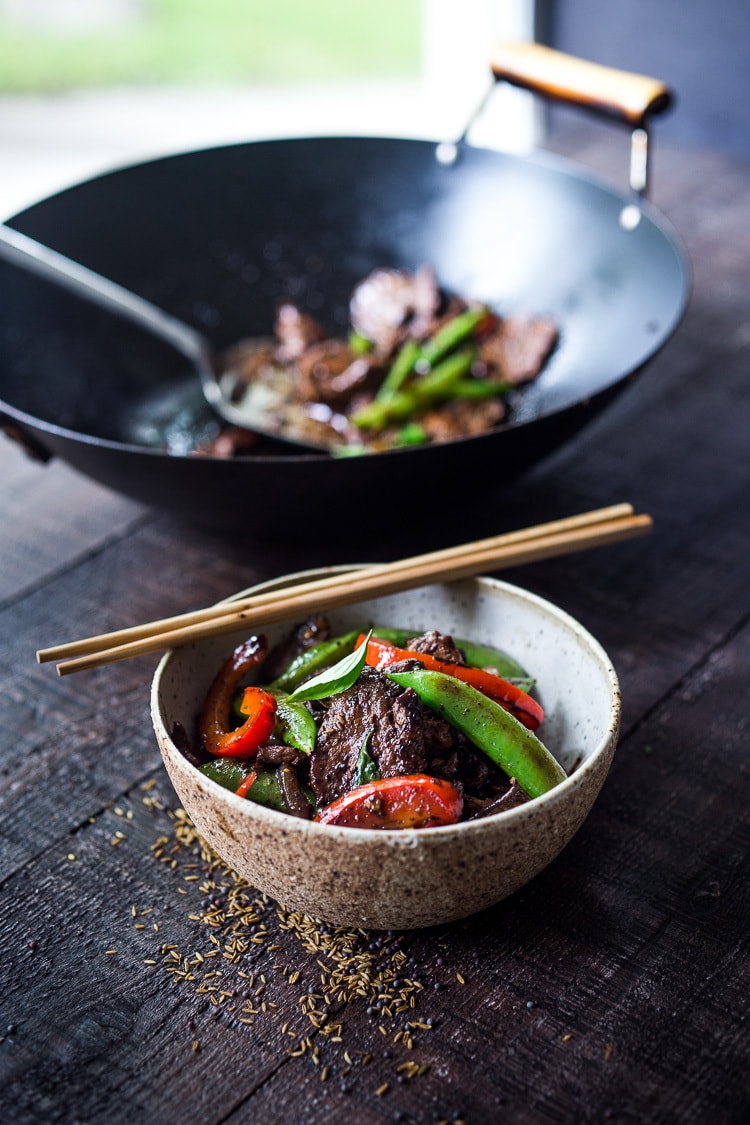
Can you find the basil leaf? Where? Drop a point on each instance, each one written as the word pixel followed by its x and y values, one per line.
pixel 337 678
pixel 367 769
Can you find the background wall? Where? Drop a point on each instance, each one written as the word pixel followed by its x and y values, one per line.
pixel 699 47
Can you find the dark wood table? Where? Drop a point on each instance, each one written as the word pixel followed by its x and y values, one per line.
pixel 139 984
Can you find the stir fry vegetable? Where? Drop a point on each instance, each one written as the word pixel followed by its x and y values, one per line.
pixel 417 365
pixel 376 729
pixel 380 654
pixel 414 801
pixel 489 726
pixel 258 706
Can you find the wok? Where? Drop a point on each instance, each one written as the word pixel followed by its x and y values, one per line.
pixel 217 237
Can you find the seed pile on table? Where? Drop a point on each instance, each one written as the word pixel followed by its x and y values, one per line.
pixel 248 947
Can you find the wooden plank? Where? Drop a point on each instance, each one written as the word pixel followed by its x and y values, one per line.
pixel 558 982
pixel 609 988
pixel 51 516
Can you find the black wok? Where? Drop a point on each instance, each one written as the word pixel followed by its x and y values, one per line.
pixel 217 237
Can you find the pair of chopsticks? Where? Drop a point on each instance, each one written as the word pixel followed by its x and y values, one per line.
pixel 531 544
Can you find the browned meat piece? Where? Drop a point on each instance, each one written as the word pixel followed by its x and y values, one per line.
pixel 296 801
pixel 231 441
pixel 295 331
pixel 462 418
pixel 518 350
pixel 510 799
pixel 303 636
pixel 278 754
pixel 330 372
pixel 377 707
pixel 440 645
pixel 463 763
pixel 391 304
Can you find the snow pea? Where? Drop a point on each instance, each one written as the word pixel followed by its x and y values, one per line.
pixel 265 790
pixel 518 752
pixel 478 656
pixel 435 386
pixel 295 725
pixel 313 660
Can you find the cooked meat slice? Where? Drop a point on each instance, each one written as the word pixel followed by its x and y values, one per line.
pixel 518 350
pixel 330 372
pixel 462 418
pixel 278 753
pixel 231 441
pixel 302 637
pixel 296 801
pixel 374 707
pixel 391 304
pixel 440 645
pixel 510 799
pixel 295 331
pixel 399 748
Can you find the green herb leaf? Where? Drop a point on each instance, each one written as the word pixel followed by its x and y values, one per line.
pixel 339 677
pixel 367 769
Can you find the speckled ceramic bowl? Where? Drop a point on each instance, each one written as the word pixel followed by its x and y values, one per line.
pixel 413 878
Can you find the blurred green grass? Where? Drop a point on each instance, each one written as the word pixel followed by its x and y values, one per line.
pixel 217 41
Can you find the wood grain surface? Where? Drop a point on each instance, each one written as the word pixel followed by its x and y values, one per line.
pixel 140 981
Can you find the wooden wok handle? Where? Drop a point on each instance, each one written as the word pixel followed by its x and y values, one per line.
pixel 561 77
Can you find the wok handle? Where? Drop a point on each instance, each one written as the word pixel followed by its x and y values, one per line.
pixel 555 75
pixel 628 97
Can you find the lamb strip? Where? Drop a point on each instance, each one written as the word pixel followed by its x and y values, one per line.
pixel 330 372
pixel 296 332
pixel 391 305
pixel 518 349
pixel 302 637
pixel 374 711
pixel 440 645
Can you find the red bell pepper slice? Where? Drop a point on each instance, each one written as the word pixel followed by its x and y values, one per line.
pixel 413 801
pixel 257 704
pixel 246 784
pixel 382 653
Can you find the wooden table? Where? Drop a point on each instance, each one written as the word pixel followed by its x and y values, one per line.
pixel 614 987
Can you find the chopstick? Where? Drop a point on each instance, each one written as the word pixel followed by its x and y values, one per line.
pixel 559 537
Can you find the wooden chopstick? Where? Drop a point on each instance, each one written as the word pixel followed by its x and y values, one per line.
pixel 559 537
pixel 166 625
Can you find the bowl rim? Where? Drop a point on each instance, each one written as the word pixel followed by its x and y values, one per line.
pixel 409 838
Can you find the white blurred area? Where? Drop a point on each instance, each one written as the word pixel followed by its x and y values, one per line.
pixel 50 142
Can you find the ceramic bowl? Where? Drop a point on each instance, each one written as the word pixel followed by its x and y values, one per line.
pixel 413 878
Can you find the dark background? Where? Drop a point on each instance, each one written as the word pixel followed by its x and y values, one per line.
pixel 701 48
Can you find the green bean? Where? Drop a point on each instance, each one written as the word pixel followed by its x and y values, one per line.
pixel 403 365
pixel 454 332
pixel 424 392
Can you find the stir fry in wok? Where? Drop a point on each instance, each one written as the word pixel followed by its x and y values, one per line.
pixel 378 729
pixel 418 366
